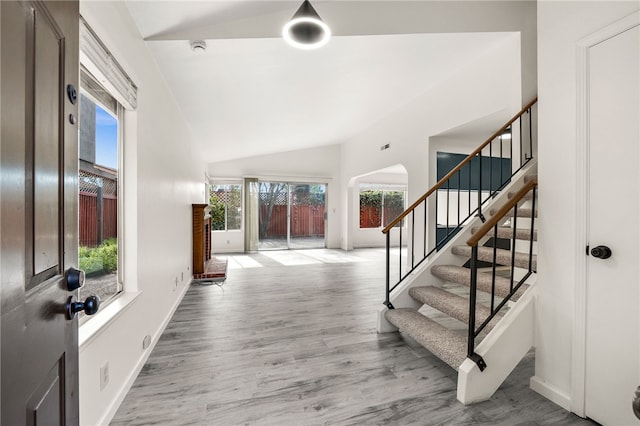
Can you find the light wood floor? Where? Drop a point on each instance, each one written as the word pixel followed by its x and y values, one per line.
pixel 290 339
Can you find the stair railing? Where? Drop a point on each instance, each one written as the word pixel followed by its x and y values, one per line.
pixel 493 223
pixel 473 174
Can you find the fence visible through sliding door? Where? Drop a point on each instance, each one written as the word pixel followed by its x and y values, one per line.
pixel 291 216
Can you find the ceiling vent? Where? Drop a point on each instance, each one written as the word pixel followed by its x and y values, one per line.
pixel 198 46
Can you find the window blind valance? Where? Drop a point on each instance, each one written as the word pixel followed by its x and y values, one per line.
pixel 95 56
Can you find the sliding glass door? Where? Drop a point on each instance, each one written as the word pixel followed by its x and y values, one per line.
pixel 272 220
pixel 306 215
pixel 291 215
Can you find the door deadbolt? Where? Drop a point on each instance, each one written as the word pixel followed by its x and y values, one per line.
pixel 74 279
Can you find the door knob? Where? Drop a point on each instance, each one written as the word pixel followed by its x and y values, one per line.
pixel 90 306
pixel 74 279
pixel 601 252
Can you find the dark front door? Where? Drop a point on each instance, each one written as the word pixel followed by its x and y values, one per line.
pixel 39 156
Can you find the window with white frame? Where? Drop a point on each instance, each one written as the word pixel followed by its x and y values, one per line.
pixel 225 203
pixel 99 184
pixel 105 92
pixel 380 204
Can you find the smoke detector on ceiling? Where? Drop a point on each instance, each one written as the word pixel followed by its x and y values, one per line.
pixel 198 46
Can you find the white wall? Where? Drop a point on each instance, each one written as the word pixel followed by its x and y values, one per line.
pixel 320 165
pixel 166 178
pixel 438 16
pixel 479 90
pixel 560 26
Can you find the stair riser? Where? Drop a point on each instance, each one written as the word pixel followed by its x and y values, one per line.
pixel 522 233
pixel 502 258
pixel 524 209
pixel 522 213
pixel 462 276
pixel 506 261
pixel 518 273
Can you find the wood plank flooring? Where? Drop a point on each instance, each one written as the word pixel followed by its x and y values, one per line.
pixel 290 339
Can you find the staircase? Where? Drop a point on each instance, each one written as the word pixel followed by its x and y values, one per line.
pixel 471 279
pixel 447 344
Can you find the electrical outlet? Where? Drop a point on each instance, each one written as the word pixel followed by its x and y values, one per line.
pixel 104 375
pixel 182 276
pixel 175 285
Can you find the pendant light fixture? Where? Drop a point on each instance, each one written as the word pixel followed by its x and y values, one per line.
pixel 306 30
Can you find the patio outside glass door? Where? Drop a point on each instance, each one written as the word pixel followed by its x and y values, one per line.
pixel 291 216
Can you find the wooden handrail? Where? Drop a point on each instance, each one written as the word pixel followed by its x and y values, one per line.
pixel 459 166
pixel 486 227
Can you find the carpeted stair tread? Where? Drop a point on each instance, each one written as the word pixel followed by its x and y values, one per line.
pixel 503 257
pixel 522 212
pixel 461 275
pixel 507 232
pixel 451 304
pixel 446 344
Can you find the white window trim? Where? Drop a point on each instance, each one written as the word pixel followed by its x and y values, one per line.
pixel 97 59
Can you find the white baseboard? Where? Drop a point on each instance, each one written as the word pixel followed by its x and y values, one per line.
pixel 551 393
pixel 122 393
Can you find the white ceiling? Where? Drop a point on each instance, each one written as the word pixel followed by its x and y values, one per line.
pixel 251 94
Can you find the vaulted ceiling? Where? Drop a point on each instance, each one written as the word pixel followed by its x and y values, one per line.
pixel 250 93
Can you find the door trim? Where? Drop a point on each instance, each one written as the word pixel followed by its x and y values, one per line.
pixel 578 357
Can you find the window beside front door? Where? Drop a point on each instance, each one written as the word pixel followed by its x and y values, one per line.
pixel 100 189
